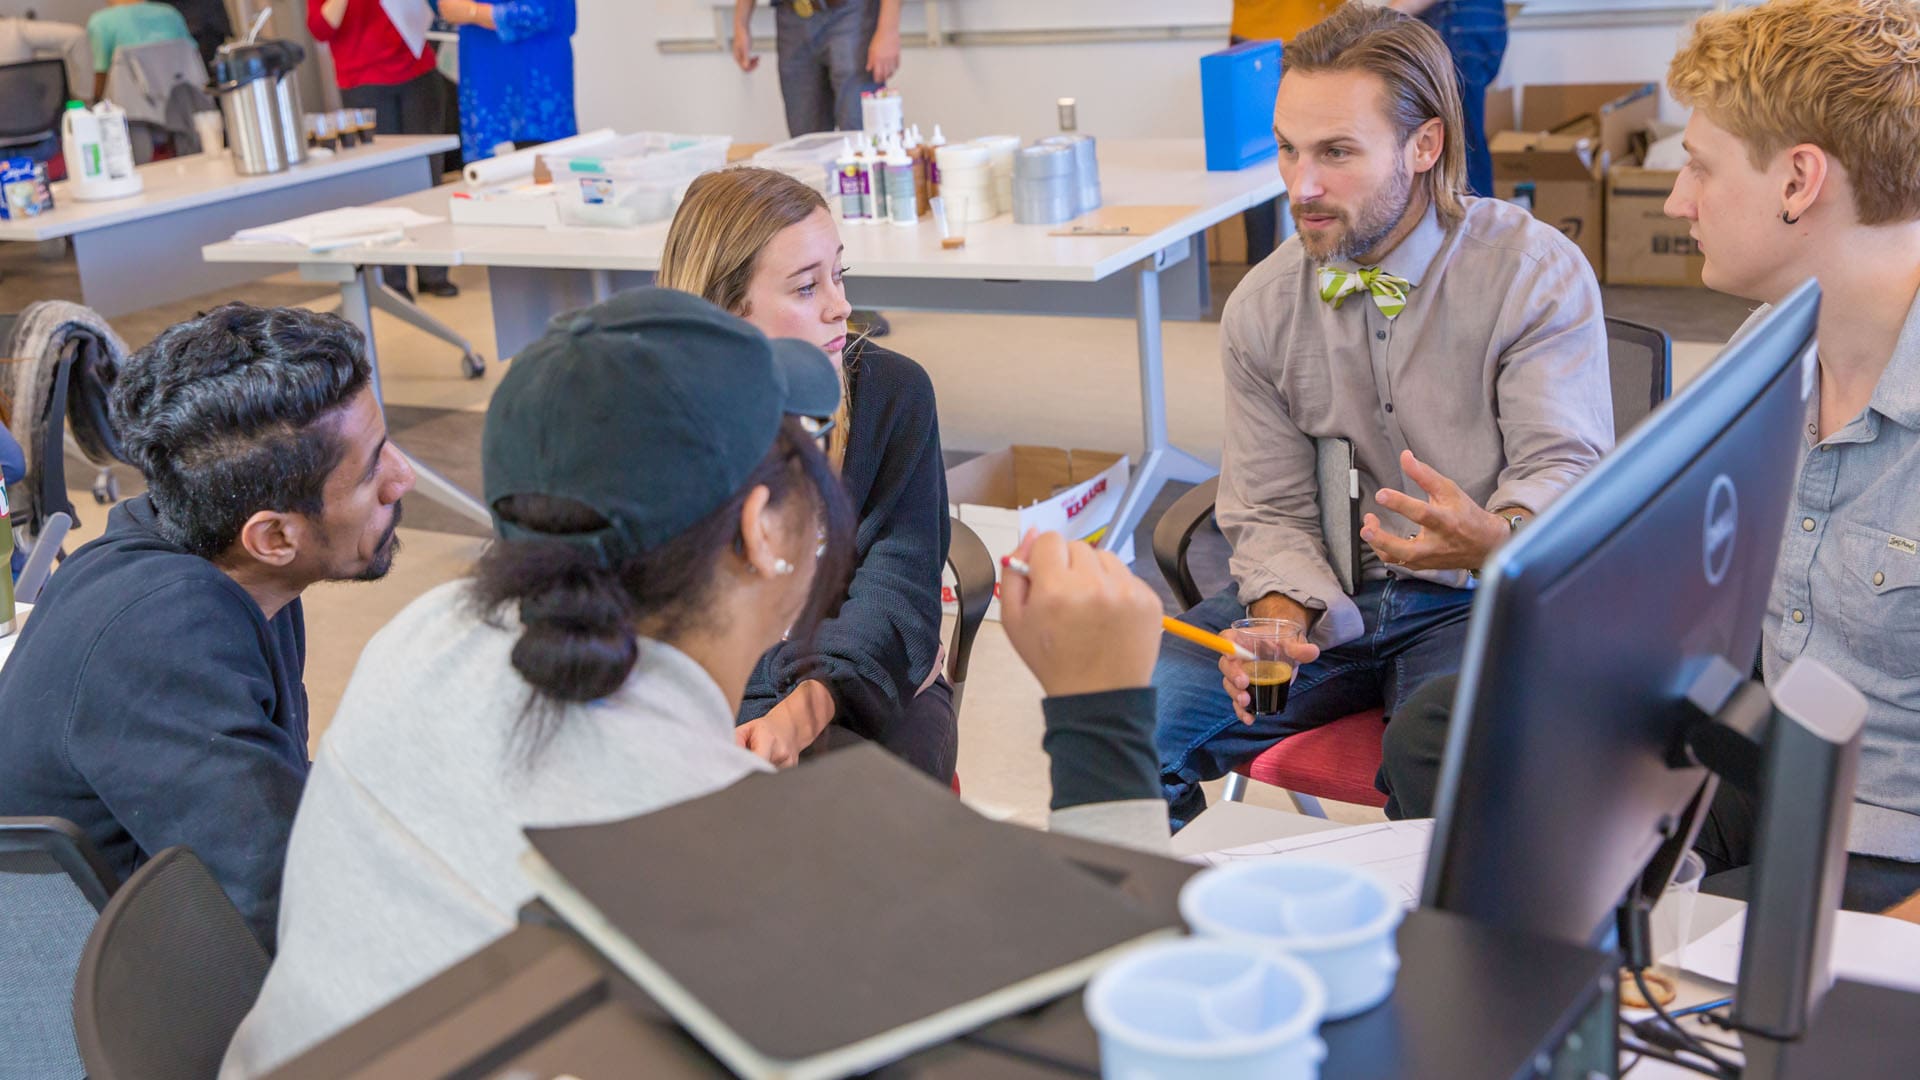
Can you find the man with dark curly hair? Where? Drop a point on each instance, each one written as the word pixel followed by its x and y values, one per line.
pixel 155 697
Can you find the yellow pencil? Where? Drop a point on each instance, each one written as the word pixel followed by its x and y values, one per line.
pixel 1168 623
pixel 1200 637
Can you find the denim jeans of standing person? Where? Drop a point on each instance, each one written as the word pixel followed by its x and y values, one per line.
pixel 823 63
pixel 1476 33
pixel 1414 631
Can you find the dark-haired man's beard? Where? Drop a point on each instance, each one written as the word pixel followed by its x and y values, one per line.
pixel 389 546
pixel 1365 231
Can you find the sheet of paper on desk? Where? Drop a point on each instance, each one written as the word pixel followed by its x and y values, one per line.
pixel 1866 948
pixel 334 225
pixel 1395 851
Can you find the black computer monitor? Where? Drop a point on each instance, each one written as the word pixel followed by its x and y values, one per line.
pixel 1589 628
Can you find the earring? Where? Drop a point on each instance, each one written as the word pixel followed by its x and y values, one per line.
pixel 782 567
pixel 1789 220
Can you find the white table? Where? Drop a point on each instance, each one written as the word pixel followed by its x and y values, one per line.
pixel 1004 268
pixel 135 252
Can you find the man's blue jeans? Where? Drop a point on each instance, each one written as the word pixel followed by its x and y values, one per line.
pixel 1414 631
pixel 823 63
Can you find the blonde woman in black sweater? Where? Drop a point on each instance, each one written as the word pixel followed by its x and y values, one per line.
pixel 764 246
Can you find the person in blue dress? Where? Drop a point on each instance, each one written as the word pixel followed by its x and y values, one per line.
pixel 1476 33
pixel 516 72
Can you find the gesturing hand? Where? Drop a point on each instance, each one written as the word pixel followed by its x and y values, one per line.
pixel 1455 532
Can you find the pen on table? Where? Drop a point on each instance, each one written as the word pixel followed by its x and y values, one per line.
pixel 1171 625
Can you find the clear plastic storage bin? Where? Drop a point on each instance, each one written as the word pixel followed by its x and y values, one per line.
pixel 633 180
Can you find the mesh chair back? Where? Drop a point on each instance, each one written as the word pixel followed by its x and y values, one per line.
pixel 1640 360
pixel 170 971
pixel 33 93
pixel 52 886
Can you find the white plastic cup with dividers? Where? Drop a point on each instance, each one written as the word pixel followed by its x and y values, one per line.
pixel 1200 1009
pixel 1337 919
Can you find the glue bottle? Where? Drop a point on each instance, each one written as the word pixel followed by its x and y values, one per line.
pixel 933 160
pixel 873 174
pixel 903 205
pixel 848 180
pixel 922 157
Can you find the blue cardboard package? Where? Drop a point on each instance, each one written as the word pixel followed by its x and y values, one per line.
pixel 23 188
pixel 1237 88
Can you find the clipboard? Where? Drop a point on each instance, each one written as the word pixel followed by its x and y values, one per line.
pixel 1124 221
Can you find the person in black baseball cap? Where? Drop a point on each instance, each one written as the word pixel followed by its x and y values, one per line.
pixel 664 515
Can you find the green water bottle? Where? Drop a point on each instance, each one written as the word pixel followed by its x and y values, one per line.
pixel 7 621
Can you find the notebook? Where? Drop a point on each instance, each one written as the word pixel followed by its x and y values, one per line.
pixel 834 917
pixel 1339 477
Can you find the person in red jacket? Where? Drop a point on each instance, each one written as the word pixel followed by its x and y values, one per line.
pixel 378 71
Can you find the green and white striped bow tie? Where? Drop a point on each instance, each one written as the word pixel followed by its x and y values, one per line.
pixel 1389 292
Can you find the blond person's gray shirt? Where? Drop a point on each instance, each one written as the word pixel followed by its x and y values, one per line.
pixel 1846 591
pixel 1495 374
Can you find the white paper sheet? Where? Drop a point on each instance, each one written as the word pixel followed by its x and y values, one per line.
pixel 334 225
pixel 412 18
pixel 1394 851
pixel 1866 948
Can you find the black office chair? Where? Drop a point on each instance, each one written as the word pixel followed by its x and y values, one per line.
pixel 973 577
pixel 168 974
pixel 1640 364
pixel 52 887
pixel 33 94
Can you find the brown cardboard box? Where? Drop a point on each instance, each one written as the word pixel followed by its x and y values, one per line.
pixel 1556 161
pixel 1644 245
pixel 1227 241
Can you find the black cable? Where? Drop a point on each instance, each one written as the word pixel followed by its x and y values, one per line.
pixel 1646 1051
pixel 1727 1068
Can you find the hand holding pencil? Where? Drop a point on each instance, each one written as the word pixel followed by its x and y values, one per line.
pixel 1078 617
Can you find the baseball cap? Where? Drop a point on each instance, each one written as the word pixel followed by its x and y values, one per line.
pixel 652 407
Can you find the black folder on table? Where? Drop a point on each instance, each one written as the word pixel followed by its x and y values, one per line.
pixel 833 917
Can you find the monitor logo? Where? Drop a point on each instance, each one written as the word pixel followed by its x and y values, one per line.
pixel 1723 524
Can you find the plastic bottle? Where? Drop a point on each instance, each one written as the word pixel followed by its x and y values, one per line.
pixel 854 200
pixel 933 160
pixel 922 156
pixel 873 180
pixel 903 205
pixel 80 145
pixel 115 138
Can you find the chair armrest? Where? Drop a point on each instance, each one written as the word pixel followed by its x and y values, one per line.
pixel 1174 532
pixel 973 576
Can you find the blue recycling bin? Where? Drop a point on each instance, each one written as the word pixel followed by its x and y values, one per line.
pixel 1237 88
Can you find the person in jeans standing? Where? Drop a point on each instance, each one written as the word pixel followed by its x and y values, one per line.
pixel 378 71
pixel 830 52
pixel 1476 33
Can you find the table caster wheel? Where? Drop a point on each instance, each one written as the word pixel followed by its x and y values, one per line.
pixel 473 365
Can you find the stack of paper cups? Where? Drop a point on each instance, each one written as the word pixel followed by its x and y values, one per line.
pixel 966 175
pixel 1001 149
pixel 1045 185
pixel 1086 169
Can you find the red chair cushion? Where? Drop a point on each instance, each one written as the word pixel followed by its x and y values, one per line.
pixel 1335 761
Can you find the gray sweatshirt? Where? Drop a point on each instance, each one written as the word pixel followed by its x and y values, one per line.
pixel 404 856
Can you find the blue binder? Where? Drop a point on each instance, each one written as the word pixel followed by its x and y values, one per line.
pixel 1237 88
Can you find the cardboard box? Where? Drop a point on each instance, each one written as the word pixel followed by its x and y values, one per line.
pixel 1556 161
pixel 1003 494
pixel 1644 245
pixel 1227 241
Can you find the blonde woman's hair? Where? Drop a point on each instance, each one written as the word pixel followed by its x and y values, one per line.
pixel 1843 75
pixel 1411 59
pixel 714 244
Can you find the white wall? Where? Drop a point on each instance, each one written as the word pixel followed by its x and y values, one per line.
pixel 1129 89
pixel 1138 89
